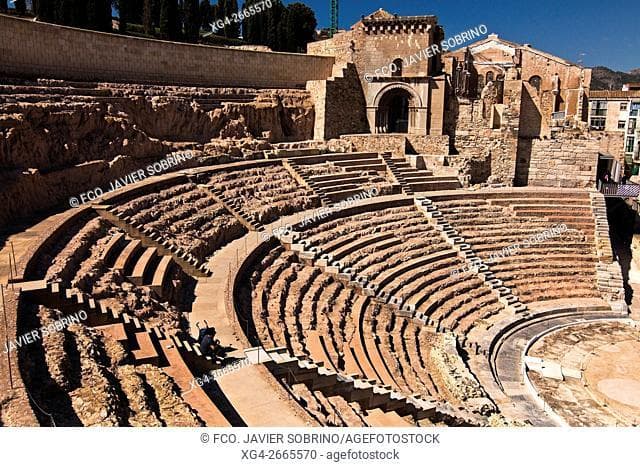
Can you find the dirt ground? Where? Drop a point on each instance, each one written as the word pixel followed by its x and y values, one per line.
pixel 613 374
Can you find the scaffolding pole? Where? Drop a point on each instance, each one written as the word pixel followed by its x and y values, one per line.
pixel 6 335
pixel 334 18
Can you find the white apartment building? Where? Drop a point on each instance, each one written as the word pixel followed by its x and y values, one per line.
pixel 619 111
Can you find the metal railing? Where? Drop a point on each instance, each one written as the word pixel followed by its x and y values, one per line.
pixel 619 190
pixel 6 334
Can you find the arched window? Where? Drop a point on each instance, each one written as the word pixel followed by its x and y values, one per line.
pixel 396 69
pixel 536 82
pixel 489 76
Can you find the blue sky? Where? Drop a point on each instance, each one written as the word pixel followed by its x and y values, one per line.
pixel 607 32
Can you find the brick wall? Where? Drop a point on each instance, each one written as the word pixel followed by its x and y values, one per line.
pixel 33 49
pixel 570 163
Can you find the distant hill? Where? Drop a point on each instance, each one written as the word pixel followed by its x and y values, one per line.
pixel 605 78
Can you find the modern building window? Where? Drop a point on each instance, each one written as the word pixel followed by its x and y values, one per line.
pixel 536 82
pixel 630 143
pixel 635 109
pixel 623 106
pixel 397 69
pixel 597 123
pixel 632 123
pixel 598 108
pixel 621 124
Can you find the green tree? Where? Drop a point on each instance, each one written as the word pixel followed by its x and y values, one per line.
pixel 221 15
pixel 253 27
pixel 155 13
pixel 45 10
pixel 206 15
pixel 136 11
pixel 300 27
pixel 99 15
pixel 191 20
pixel 233 29
pixel 147 17
pixel 283 28
pixel 21 6
pixel 62 12
pixel 215 11
pixel 273 26
pixel 124 15
pixel 169 19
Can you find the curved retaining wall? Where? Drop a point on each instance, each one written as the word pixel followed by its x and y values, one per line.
pixel 32 49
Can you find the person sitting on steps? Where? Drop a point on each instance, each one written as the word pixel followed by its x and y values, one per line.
pixel 209 345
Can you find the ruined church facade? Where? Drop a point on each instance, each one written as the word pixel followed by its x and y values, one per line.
pixel 403 88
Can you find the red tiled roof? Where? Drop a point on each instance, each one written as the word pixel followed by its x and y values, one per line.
pixel 613 94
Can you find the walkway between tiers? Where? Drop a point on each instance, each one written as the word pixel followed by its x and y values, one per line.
pixel 634 306
pixel 24 240
pixel 253 392
pixel 521 401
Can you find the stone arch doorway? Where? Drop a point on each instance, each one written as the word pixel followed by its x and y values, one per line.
pixel 397 108
pixel 393 114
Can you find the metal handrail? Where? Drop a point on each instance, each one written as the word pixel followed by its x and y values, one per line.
pixel 621 190
pixel 6 334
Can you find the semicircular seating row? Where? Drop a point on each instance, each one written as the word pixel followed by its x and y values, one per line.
pixel 303 308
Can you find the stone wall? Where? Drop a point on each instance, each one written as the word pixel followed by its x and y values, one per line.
pixel 33 49
pixel 65 144
pixel 339 46
pixel 395 144
pixel 340 106
pixel 564 162
pixel 482 149
pixel 474 169
pixel 611 143
pixel 399 145
pixel 566 92
pixel 15 406
pixel 429 145
pixel 372 50
pixel 531 113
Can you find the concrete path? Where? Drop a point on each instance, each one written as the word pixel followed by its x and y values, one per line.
pixel 510 372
